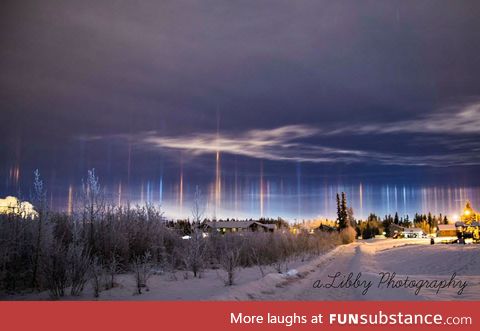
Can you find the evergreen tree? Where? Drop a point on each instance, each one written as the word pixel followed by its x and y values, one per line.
pixel 351 217
pixel 430 222
pixel 406 222
pixel 342 211
pixel 387 221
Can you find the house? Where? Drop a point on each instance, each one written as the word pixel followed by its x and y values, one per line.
pixel 13 206
pixel 413 233
pixel 238 226
pixel 446 230
pixel 326 228
pixel 397 231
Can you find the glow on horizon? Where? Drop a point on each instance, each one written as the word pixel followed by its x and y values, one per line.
pixel 272 197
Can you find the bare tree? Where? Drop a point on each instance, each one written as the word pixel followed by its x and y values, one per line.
pixel 40 202
pixel 259 251
pixel 195 249
pixel 78 266
pixel 93 206
pixel 97 275
pixel 55 271
pixel 230 260
pixel 198 208
pixel 112 269
pixel 142 268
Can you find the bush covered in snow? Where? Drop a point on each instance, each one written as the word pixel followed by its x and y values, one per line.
pixel 348 235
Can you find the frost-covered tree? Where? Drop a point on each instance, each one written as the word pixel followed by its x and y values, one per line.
pixel 351 217
pixel 93 206
pixel 230 259
pixel 39 200
pixel 195 249
pixel 142 268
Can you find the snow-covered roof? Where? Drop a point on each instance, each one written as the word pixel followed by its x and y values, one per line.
pixel 230 224
pixel 446 227
pixel 412 230
pixel 238 224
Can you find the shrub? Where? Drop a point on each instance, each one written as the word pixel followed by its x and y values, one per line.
pixel 347 235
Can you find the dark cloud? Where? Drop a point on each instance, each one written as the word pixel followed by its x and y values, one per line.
pixel 370 79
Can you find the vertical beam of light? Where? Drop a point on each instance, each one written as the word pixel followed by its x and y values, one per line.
pixel 218 182
pixel 267 207
pixel 253 193
pixel 261 189
pixel 160 190
pixel 17 175
pixel 424 200
pixel 404 201
pixel 235 193
pixel 129 164
pixel 413 195
pixel 299 189
pixel 70 201
pixel 360 193
pixel 396 199
pixel 218 176
pixel 119 194
pixel 142 198
pixel 180 191
pixel 462 198
pixel 18 151
pixel 149 197
pixel 331 195
pixel 442 200
pixel 388 199
pixel 325 199
pixel 449 195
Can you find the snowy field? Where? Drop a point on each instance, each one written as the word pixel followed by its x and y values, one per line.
pixel 422 263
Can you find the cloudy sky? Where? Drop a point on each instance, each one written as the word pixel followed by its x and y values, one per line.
pixel 372 91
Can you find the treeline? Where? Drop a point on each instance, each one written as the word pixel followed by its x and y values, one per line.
pixel 65 254
pixel 374 225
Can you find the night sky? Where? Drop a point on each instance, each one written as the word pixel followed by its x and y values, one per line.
pixel 296 99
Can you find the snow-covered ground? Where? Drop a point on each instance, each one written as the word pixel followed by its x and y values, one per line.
pixel 414 258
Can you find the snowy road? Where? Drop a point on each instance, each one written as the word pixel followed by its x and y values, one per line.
pixel 424 265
